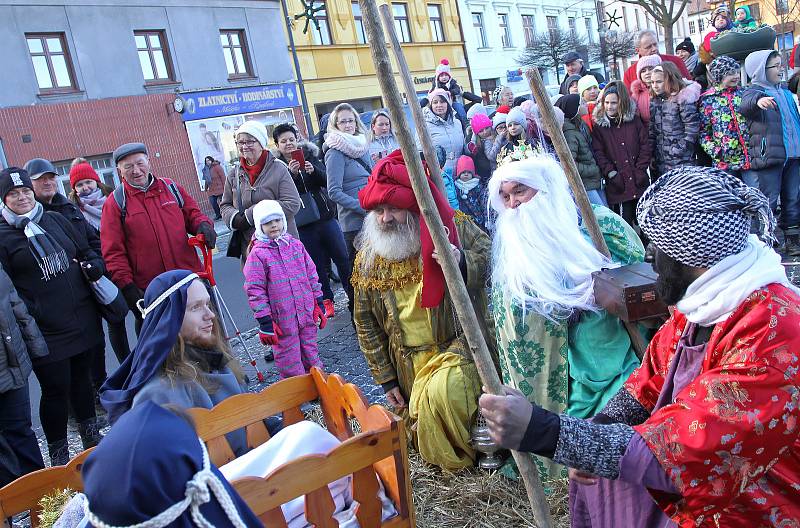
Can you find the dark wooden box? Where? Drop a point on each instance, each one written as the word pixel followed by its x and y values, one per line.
pixel 629 292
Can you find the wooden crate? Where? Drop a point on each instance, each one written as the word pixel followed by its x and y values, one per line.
pixel 629 292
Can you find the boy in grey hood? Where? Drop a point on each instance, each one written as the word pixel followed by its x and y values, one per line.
pixel 774 143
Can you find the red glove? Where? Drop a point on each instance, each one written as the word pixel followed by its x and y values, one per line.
pixel 318 315
pixel 269 331
pixel 267 339
pixel 472 147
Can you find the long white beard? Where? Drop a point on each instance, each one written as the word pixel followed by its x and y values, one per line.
pixel 542 260
pixel 397 244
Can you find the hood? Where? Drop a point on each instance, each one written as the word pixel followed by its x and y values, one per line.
pixel 690 93
pixel 600 118
pixel 748 17
pixel 570 79
pixel 306 145
pixel 754 66
pixel 263 212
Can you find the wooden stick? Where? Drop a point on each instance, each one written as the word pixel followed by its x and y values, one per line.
pixel 458 290
pixel 428 151
pixel 578 190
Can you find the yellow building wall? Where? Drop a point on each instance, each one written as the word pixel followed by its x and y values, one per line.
pixel 343 71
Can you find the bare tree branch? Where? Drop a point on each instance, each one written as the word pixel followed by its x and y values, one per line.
pixel 547 49
pixel 618 45
pixel 665 13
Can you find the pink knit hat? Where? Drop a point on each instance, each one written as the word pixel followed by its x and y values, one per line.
pixel 647 61
pixel 442 93
pixel 463 164
pixel 480 122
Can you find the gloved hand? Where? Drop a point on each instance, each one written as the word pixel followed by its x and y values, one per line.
pixel 92 273
pixel 240 222
pixel 472 147
pixel 268 331
pixel 318 315
pixel 207 230
pixel 132 294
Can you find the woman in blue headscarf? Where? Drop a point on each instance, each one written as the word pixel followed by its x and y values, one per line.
pixel 159 473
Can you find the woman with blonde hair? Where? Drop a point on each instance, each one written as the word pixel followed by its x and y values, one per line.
pixel 348 165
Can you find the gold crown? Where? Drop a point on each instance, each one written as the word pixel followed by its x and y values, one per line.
pixel 519 152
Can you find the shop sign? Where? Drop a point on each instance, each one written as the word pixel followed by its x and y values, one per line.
pixel 218 103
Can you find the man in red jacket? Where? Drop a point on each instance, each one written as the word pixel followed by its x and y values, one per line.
pixel 145 235
pixel 647 44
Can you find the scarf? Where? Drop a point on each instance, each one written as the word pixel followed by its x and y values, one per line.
pixel 465 187
pixel 348 144
pixel 691 62
pixel 719 291
pixel 92 206
pixel 49 255
pixel 150 180
pixel 254 170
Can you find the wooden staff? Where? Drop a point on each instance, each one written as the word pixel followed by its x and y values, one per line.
pixel 556 134
pixel 455 283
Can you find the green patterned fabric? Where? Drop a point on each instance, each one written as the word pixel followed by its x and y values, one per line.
pixel 573 370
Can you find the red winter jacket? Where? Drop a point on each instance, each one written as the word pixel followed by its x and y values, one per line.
pixel 630 73
pixel 153 239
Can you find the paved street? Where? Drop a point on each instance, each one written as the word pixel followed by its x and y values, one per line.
pixel 337 342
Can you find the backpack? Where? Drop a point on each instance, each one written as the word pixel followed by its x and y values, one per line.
pixel 119 197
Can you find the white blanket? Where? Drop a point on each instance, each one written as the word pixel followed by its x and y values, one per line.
pixel 303 438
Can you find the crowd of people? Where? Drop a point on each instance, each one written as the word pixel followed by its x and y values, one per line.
pixel 688 163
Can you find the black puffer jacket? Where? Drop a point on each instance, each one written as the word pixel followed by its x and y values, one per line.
pixel 315 182
pixel 61 205
pixel 64 306
pixel 580 144
pixel 22 340
pixel 765 146
pixel 675 128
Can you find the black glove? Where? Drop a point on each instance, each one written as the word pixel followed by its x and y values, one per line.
pixel 132 293
pixel 207 230
pixel 240 222
pixel 92 273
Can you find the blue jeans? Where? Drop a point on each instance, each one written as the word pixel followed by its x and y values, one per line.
pixel 784 182
pixel 597 197
pixel 324 242
pixel 749 177
pixel 15 423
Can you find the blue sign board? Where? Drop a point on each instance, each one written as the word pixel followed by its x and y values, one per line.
pixel 217 103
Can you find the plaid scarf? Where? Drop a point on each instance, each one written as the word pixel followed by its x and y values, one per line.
pixel 49 255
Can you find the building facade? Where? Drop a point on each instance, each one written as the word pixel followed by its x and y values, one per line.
pixel 85 76
pixel 496 34
pixel 335 61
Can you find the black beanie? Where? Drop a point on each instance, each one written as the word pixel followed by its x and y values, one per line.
pixel 569 105
pixel 13 177
pixel 686 45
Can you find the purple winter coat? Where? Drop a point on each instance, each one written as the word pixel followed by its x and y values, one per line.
pixel 281 282
pixel 626 149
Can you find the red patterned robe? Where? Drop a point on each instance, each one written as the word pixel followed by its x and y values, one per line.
pixel 730 442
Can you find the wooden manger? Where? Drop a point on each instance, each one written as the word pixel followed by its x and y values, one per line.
pixel 379 450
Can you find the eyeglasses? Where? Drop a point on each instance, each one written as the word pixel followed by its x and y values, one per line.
pixel 345 121
pixel 246 143
pixel 142 164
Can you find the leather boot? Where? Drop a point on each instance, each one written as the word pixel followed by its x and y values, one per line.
pixel 90 433
pixel 59 452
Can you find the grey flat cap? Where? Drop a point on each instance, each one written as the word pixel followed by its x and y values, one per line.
pixel 127 149
pixel 572 56
pixel 39 166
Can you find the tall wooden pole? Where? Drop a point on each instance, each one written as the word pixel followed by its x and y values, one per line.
pixel 578 190
pixel 455 283
pixel 428 150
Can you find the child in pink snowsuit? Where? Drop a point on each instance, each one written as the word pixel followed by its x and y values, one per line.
pixel 284 292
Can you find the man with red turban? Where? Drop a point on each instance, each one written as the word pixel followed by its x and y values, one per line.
pixel 404 316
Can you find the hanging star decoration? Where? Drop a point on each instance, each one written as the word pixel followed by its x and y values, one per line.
pixel 612 19
pixel 310 14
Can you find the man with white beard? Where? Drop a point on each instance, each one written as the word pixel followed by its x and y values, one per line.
pixel 557 347
pixel 404 317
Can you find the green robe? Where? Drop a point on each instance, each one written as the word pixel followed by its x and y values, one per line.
pixel 568 369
